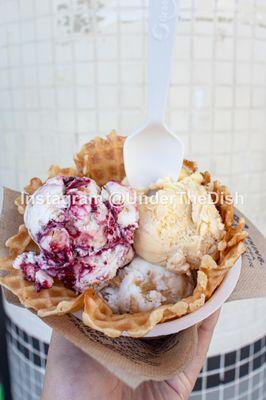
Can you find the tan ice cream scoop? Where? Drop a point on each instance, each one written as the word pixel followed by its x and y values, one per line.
pixel 178 224
pixel 142 286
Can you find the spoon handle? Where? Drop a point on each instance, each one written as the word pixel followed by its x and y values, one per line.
pixel 161 33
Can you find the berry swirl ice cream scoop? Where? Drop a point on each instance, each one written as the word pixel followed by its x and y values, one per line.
pixel 84 232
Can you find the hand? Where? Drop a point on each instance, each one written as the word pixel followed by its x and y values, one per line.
pixel 73 375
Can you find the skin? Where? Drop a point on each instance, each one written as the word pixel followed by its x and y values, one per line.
pixel 73 375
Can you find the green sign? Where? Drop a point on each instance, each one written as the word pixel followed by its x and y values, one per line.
pixel 1 392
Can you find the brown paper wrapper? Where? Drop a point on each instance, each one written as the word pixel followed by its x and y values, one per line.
pixel 252 281
pixel 137 360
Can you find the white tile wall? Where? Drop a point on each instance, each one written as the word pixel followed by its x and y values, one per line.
pixel 72 69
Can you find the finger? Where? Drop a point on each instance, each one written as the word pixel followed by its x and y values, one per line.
pixel 184 382
pixel 205 333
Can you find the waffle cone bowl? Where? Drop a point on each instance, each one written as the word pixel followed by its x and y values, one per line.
pixel 102 160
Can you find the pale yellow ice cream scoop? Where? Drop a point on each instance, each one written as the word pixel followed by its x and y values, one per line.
pixel 178 224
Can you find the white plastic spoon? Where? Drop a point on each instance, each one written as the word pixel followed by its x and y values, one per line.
pixel 153 151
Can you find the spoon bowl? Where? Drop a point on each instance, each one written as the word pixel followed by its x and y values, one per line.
pixel 152 152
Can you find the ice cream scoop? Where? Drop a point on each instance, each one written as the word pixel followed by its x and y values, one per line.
pixel 178 224
pixel 84 232
pixel 142 286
